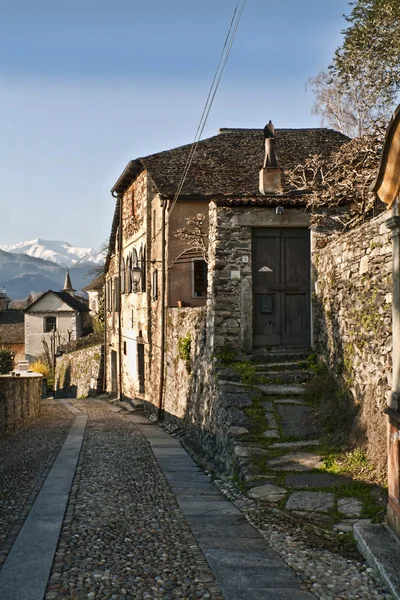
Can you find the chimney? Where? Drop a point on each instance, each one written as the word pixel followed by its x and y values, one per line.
pixel 271 173
pixel 4 299
pixel 68 285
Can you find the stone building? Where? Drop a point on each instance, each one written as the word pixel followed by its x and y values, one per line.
pixel 11 328
pixel 60 312
pixel 94 290
pixel 259 267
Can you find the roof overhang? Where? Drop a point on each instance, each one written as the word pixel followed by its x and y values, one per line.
pixel 128 175
pixel 387 182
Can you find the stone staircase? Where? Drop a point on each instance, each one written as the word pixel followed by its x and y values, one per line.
pixel 279 457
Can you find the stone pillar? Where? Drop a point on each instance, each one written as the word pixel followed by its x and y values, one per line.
pixel 393 401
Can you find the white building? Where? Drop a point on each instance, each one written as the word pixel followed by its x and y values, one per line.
pixel 59 314
pixel 94 290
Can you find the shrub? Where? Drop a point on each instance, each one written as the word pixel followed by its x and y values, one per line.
pixel 6 361
pixel 41 367
pixel 184 350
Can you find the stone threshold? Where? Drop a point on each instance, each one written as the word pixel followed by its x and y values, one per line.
pixel 381 549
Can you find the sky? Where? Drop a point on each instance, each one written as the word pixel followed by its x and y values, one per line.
pixel 87 85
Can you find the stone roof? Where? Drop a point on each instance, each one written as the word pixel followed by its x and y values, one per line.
pixel 96 284
pixel 71 301
pixel 228 164
pixel 12 326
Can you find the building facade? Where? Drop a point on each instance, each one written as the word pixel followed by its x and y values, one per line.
pixel 11 328
pixel 58 316
pixel 152 267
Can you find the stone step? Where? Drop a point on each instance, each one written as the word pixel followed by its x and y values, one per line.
pixel 299 444
pixel 293 365
pixel 283 377
pixel 296 421
pixel 295 461
pixel 292 401
pixel 228 374
pixel 281 390
pixel 275 355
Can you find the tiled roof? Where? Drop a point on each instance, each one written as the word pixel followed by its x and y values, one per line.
pixel 276 200
pixel 229 163
pixel 12 326
pixel 72 302
pixel 96 284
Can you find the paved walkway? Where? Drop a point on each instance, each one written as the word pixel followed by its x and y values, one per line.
pixel 129 532
pixel 244 565
pixel 25 572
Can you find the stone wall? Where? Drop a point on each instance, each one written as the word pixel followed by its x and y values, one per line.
pixel 185 346
pixel 204 407
pixel 19 401
pixel 79 374
pixel 353 323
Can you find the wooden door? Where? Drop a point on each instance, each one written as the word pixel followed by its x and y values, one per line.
pixel 281 287
pixel 114 372
pixel 141 368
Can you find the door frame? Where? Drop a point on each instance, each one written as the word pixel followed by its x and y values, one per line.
pixel 246 219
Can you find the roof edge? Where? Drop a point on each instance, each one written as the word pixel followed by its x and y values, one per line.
pixel 132 170
pixel 385 184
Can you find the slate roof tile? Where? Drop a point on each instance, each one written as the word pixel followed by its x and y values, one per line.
pixel 12 326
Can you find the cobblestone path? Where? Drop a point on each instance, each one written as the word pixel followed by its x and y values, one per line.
pixel 25 459
pixel 123 534
pixel 125 537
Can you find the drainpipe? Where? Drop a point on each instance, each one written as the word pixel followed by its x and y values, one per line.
pixel 163 291
pixel 119 303
pixel 114 195
pixel 105 337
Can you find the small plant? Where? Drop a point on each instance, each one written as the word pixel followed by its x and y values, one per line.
pixel 41 367
pixel 353 462
pixel 246 370
pixel 184 350
pixel 97 325
pixel 227 355
pixel 6 361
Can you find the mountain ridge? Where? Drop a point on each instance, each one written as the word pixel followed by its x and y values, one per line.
pixel 56 251
pixel 22 274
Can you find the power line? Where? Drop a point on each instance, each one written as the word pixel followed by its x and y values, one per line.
pixel 237 15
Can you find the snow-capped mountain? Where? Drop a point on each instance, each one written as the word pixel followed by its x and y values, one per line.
pixel 22 275
pixel 61 253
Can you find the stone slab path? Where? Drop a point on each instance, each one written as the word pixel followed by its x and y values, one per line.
pixel 241 560
pixel 26 570
pixel 26 457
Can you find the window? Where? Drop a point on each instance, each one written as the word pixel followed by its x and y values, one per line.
pixel 155 285
pixel 142 262
pixel 125 349
pixel 134 263
pixel 133 202
pixel 154 223
pixel 109 295
pixel 128 275
pixel 50 323
pixel 199 279
pixel 122 272
pixel 116 298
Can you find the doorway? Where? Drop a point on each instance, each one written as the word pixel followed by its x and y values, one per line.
pixel 281 287
pixel 114 386
pixel 141 369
